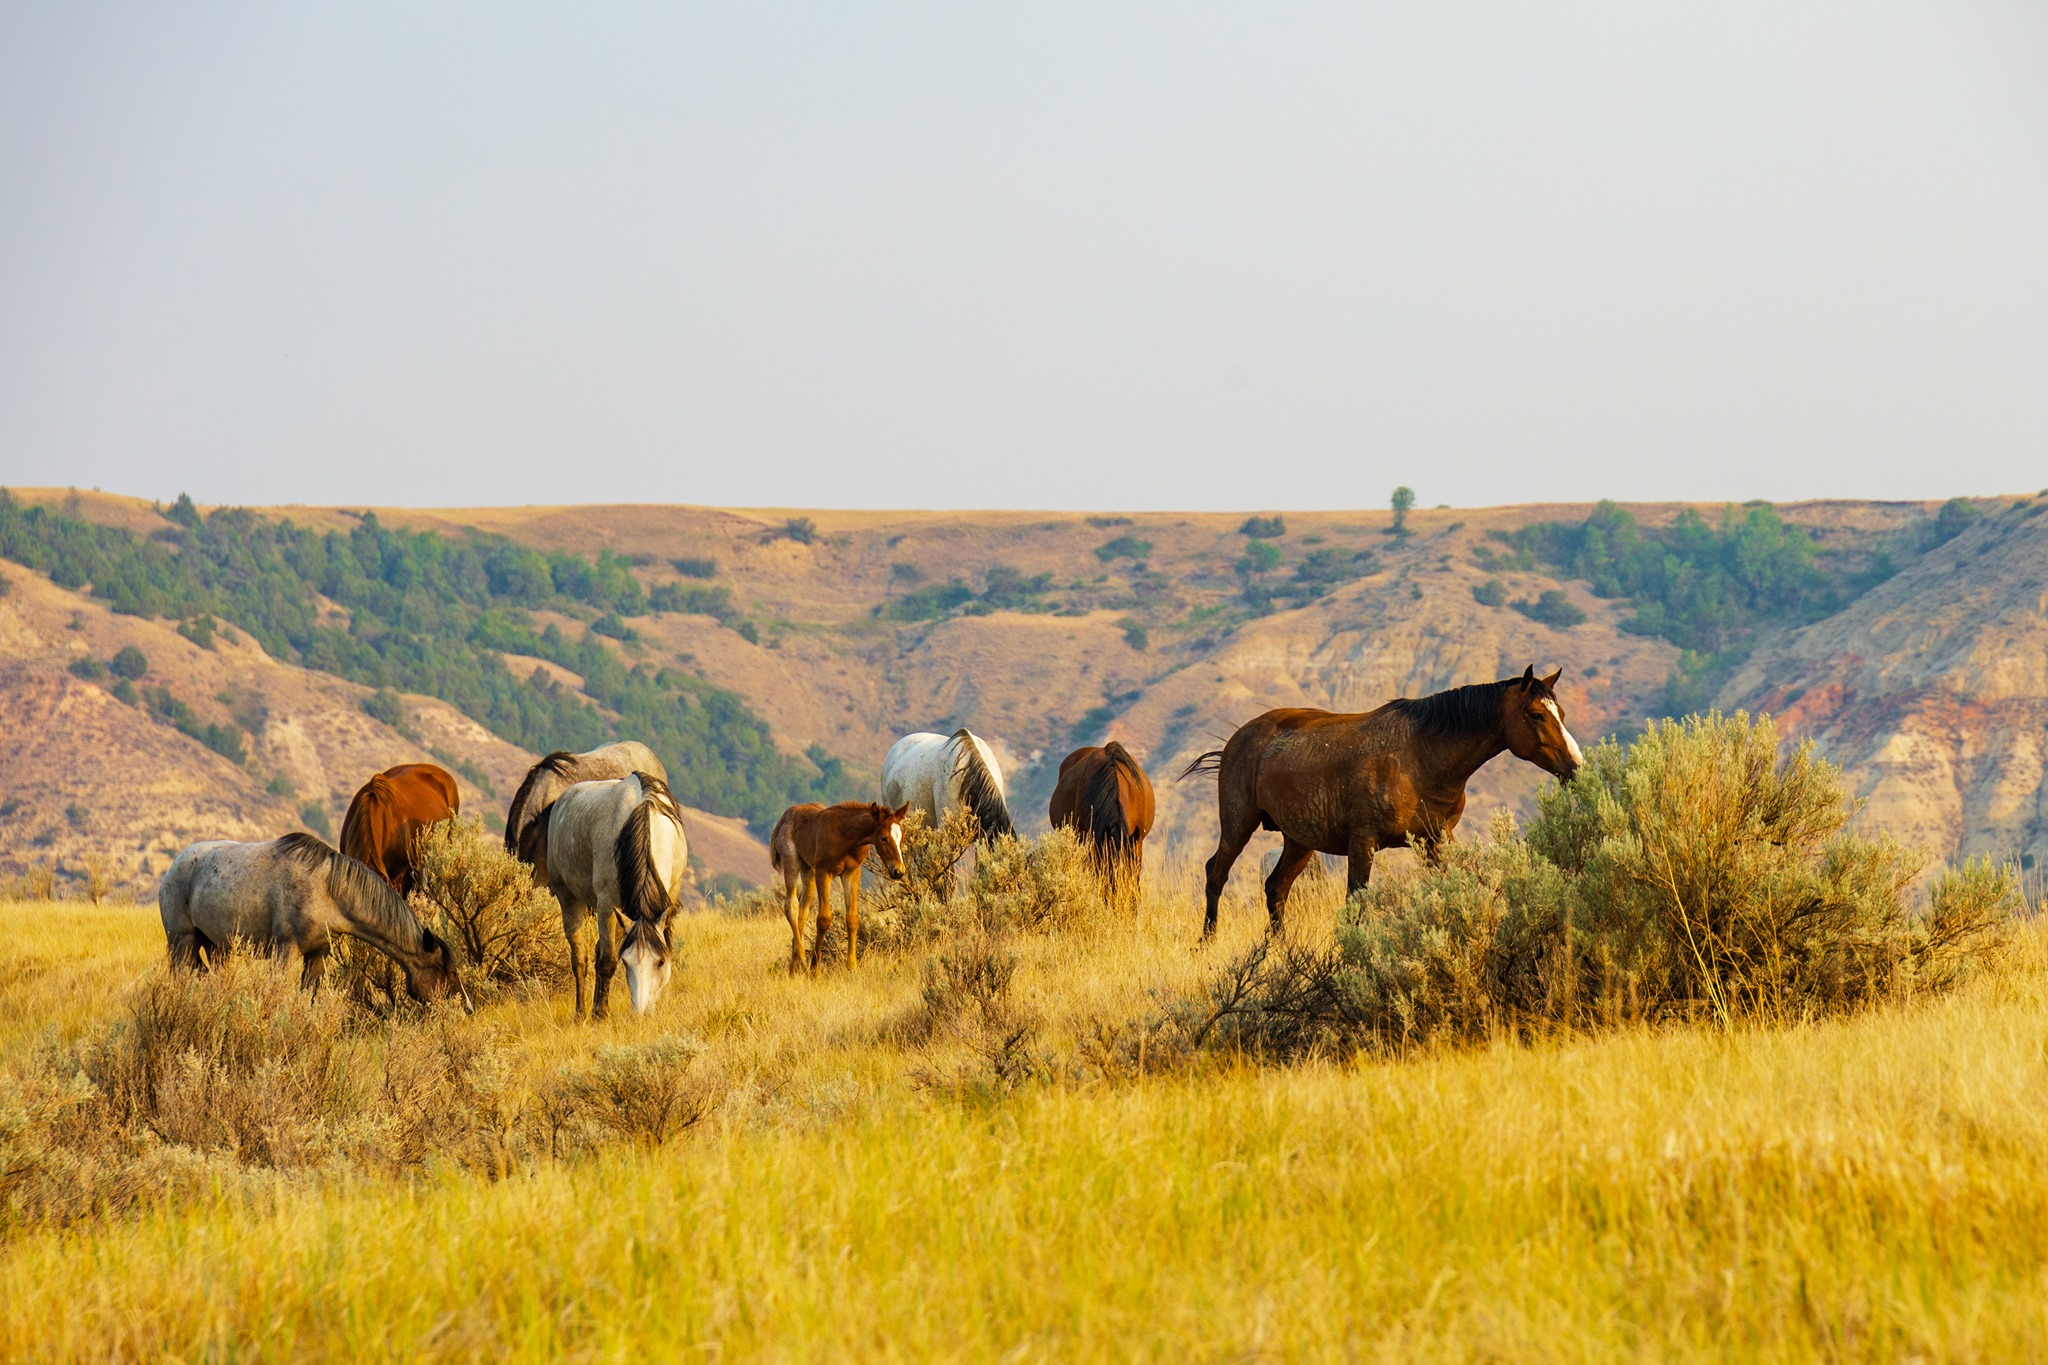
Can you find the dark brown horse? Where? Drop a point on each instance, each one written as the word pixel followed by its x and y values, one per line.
pixel 1106 799
pixel 1355 784
pixel 390 812
pixel 812 845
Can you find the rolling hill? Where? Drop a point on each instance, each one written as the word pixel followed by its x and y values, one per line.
pixel 1912 650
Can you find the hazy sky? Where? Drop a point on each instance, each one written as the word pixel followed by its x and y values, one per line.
pixel 1071 256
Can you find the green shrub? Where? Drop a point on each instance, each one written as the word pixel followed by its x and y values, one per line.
pixel 1263 528
pixel 474 894
pixel 1551 608
pixel 1491 593
pixel 128 662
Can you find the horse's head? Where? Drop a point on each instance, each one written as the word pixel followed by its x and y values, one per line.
pixel 889 838
pixel 435 977
pixel 647 959
pixel 1535 726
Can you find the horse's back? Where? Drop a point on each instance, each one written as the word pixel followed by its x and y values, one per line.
pixel 583 829
pixel 226 890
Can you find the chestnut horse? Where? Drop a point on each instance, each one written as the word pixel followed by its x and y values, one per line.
pixel 812 846
pixel 1355 784
pixel 390 812
pixel 1106 799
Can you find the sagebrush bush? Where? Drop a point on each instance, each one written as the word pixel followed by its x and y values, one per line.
pixel 479 897
pixel 1046 884
pixel 1701 872
pixel 218 1076
pixel 644 1093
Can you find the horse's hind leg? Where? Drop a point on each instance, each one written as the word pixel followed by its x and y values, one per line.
pixel 796 901
pixel 572 924
pixel 1237 828
pixel 852 884
pixel 822 895
pixel 1293 858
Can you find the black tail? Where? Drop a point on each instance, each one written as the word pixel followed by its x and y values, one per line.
pixel 1109 822
pixel 1209 763
pixel 981 790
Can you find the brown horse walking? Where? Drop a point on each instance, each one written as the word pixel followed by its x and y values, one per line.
pixel 1106 799
pixel 812 846
pixel 1355 784
pixel 389 813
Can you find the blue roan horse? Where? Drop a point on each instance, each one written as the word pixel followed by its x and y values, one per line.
pixel 938 774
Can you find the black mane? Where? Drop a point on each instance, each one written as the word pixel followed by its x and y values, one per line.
pixel 554 764
pixel 1460 713
pixel 641 894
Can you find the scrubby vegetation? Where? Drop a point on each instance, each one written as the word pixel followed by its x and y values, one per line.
pixel 434 614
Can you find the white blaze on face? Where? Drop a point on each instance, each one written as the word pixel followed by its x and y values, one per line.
pixel 647 971
pixel 1571 745
pixel 896 838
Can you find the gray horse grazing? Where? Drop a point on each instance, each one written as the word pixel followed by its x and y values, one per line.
pixel 618 848
pixel 554 775
pixel 295 894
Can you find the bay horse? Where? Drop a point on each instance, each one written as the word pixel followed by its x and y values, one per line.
pixel 1354 784
pixel 561 770
pixel 938 774
pixel 1106 799
pixel 814 845
pixel 616 848
pixel 294 895
pixel 388 814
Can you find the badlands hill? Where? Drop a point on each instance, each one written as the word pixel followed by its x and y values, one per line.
pixel 844 630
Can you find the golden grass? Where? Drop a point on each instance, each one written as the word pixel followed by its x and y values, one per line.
pixel 1872 1188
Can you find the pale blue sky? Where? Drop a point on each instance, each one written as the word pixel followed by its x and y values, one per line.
pixel 1071 256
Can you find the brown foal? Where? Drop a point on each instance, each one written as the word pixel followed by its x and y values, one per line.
pixel 811 846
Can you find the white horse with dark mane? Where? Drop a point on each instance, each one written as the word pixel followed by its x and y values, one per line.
pixel 938 774
pixel 617 849
pixel 560 771
pixel 294 895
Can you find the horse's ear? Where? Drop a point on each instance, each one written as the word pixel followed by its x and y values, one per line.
pixel 900 812
pixel 1528 676
pixel 1550 682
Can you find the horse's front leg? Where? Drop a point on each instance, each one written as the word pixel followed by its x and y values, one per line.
pixel 852 884
pixel 607 965
pixel 572 925
pixel 1358 869
pixel 315 968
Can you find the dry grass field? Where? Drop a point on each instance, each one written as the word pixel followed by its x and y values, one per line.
pixel 1870 1188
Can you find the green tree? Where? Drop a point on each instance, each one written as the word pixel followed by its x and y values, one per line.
pixel 1404 498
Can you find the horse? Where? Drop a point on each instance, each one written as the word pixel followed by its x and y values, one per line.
pixel 388 814
pixel 812 845
pixel 554 775
pixel 295 894
pixel 1354 784
pixel 941 773
pixel 616 847
pixel 1106 799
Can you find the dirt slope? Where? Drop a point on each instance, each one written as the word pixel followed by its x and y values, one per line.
pixel 89 775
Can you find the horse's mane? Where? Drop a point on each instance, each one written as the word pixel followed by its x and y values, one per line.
pixel 980 792
pixel 1454 714
pixel 366 896
pixel 641 894
pixel 1104 797
pixel 556 764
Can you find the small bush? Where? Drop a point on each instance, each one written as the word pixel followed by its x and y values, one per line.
pixel 99 877
pixel 1263 528
pixel 802 530
pixel 1047 883
pixel 314 816
pixel 129 663
pixel 643 1093
pixel 473 893
pixel 967 1004
pixel 88 668
pixel 1491 593
pixel 695 566
pixel 1124 547
pixel 1551 608
pixel 386 706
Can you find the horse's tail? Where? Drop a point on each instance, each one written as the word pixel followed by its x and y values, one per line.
pixel 781 839
pixel 981 791
pixel 554 764
pixel 1110 817
pixel 641 894
pixel 1209 763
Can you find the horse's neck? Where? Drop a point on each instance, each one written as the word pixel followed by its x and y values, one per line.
pixel 1449 769
pixel 395 940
